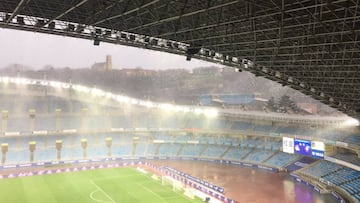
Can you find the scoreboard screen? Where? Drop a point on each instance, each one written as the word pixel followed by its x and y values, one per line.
pixel 317 149
pixel 314 149
pixel 288 145
pixel 302 147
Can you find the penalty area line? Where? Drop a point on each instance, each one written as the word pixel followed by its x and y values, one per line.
pixel 100 189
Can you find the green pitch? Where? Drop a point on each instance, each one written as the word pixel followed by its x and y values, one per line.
pixel 116 185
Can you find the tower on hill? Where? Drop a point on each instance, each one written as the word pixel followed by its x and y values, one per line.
pixel 103 66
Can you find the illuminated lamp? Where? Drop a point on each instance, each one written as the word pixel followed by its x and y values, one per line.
pixel 107 33
pixel 123 35
pixel 132 37
pixel 20 20
pixel 51 25
pixel 40 23
pixel 71 27
pixel 98 31
pixel 168 44
pixel 80 28
pixel 154 42
pixel 7 17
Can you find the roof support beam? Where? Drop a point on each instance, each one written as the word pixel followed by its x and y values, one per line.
pixel 67 11
pixel 182 15
pixel 126 13
pixel 17 9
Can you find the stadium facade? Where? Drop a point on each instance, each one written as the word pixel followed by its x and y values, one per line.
pixel 48 122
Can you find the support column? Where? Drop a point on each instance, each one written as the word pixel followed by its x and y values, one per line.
pixel 4 150
pixel 32 147
pixel 84 146
pixel 108 121
pixel 58 145
pixel 4 121
pixel 84 120
pixel 108 142
pixel 32 115
pixel 58 120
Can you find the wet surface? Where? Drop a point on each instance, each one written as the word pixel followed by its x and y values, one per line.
pixel 250 185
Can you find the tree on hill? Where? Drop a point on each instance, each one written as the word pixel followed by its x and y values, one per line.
pixel 271 104
pixel 286 105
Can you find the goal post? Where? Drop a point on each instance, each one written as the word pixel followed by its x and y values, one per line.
pixel 175 184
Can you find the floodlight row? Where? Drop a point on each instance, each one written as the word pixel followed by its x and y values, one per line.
pixel 95 92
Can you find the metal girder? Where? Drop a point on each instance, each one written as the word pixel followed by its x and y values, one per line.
pixel 313 44
pixel 17 9
pixel 66 11
pixel 125 13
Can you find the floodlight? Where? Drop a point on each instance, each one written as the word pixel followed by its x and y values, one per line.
pixel 123 99
pixel 109 95
pixel 351 122
pixel 40 23
pixel 55 84
pixel 198 111
pixel 149 104
pixel 44 83
pixel 132 37
pixel 51 25
pixel 210 113
pixel 65 85
pixel 107 33
pixel 166 107
pixel 5 80
pixel 20 20
pixel 98 31
pixel 154 42
pixel 71 27
pixel 80 28
pixel 97 92
pixel 123 35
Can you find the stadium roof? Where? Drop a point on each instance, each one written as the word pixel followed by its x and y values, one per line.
pixel 309 45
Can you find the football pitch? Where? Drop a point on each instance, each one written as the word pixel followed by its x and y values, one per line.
pixel 115 185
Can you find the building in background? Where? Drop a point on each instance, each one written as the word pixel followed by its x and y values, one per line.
pixel 103 66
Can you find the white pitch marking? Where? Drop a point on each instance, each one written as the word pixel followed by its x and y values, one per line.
pixel 93 198
pixel 99 188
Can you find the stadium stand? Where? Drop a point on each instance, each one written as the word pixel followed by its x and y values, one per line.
pixel 263 128
pixel 169 149
pixel 288 130
pixel 281 159
pixel 321 169
pixel 192 150
pixel 239 125
pixel 353 139
pixel 214 151
pixel 258 156
pixel 236 153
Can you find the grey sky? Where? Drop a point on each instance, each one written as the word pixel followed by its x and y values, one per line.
pixel 38 50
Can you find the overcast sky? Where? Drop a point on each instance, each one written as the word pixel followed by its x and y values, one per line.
pixel 37 50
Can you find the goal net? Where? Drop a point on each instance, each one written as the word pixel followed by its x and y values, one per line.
pixel 175 184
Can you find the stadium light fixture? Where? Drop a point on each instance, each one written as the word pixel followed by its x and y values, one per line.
pixel 97 92
pixel 20 20
pixel 198 111
pixel 211 113
pixel 351 122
